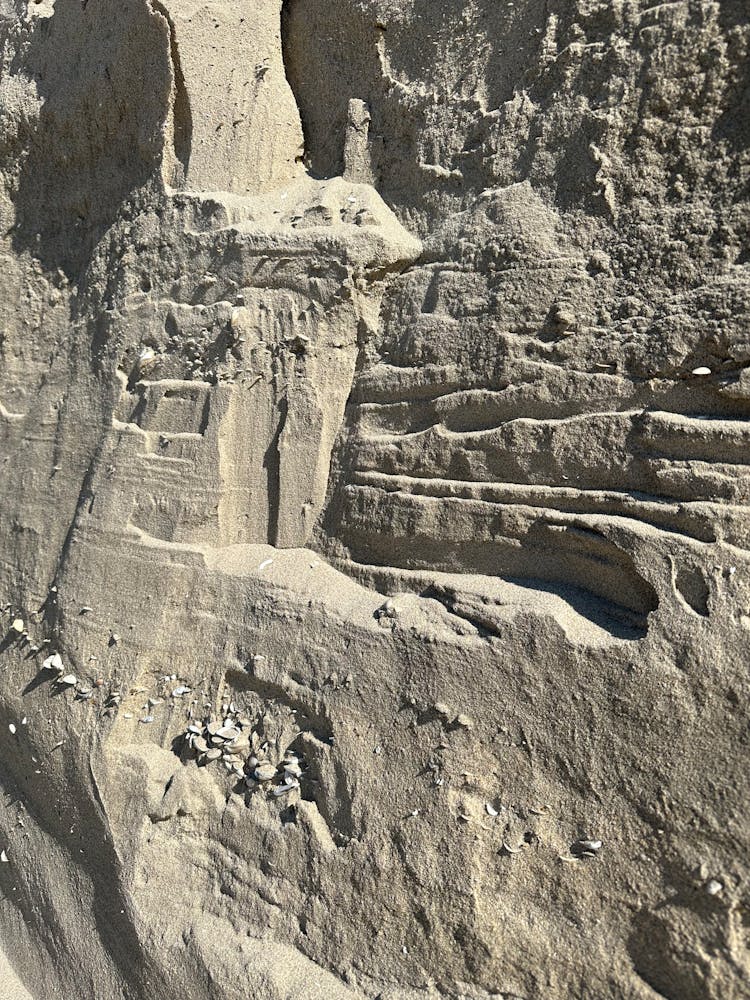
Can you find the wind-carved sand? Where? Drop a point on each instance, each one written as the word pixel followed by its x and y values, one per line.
pixel 374 573
pixel 241 452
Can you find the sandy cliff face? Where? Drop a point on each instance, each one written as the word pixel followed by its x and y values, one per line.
pixel 375 509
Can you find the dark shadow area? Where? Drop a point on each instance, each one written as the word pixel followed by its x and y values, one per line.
pixel 733 124
pixel 331 56
pixel 103 74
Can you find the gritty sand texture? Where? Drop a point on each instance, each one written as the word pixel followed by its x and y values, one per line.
pixel 374 499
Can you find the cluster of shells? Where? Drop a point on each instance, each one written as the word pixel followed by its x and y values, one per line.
pixel 244 753
pixel 65 681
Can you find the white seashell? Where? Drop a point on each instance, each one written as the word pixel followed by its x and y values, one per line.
pixel 195 729
pixel 589 845
pixel 69 680
pixel 200 744
pixel 54 662
pixel 265 563
pixel 283 789
pixel 264 772
pixel 3 857
pixel 12 729
pixel 490 809
pixel 180 691
pixel 146 719
pixel 701 371
pixel 17 625
pixel 213 754
pixel 713 887
pixel 228 733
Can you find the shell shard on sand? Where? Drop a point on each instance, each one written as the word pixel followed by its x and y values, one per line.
pixel 265 772
pixel 54 662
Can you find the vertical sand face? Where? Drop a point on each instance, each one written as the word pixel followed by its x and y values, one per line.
pixel 374 500
pixel 233 120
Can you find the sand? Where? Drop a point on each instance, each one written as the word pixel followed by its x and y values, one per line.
pixel 374 509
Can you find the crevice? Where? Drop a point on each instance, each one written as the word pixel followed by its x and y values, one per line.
pixel 182 118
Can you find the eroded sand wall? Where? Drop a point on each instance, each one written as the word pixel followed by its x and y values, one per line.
pixel 374 530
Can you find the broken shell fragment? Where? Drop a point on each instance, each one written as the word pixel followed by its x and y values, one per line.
pixel 264 772
pixel 283 789
pixel 589 845
pixel 490 809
